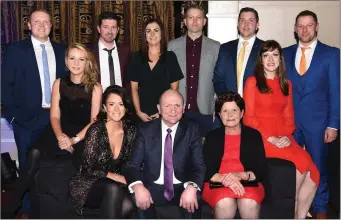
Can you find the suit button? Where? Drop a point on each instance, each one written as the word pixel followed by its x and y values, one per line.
pixel 235 86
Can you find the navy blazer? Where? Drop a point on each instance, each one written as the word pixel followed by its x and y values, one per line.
pixel 188 162
pixel 316 94
pixel 21 90
pixel 225 71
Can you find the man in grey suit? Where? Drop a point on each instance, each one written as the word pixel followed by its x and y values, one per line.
pixel 197 56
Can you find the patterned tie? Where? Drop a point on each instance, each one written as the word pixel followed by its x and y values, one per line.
pixel 168 167
pixel 111 66
pixel 240 62
pixel 303 62
pixel 47 86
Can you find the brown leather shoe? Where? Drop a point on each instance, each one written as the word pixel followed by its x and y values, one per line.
pixel 321 216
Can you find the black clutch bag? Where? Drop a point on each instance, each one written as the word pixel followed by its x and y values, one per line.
pixel 251 183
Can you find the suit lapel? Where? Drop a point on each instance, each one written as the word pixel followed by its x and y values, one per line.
pixel 310 73
pixel 252 59
pixel 32 59
pixel 234 55
pixel 183 55
pixel 157 143
pixel 60 59
pixel 96 53
pixel 179 137
pixel 204 50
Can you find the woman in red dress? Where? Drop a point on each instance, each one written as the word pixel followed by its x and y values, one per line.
pixel 269 109
pixel 234 154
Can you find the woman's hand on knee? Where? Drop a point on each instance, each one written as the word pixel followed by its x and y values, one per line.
pixel 237 188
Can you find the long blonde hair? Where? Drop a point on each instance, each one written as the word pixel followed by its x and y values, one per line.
pixel 91 71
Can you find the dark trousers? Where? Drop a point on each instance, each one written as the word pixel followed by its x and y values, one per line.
pixel 205 122
pixel 111 197
pixel 24 136
pixel 157 192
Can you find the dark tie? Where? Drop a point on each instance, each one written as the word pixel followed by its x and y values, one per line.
pixel 168 167
pixel 111 66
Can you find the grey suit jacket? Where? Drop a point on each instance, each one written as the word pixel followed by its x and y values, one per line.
pixel 209 55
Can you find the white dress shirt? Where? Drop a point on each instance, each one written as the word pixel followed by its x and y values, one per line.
pixel 308 54
pixel 51 59
pixel 104 65
pixel 160 180
pixel 246 58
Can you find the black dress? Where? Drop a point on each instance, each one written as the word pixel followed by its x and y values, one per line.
pixel 98 160
pixel 75 111
pixel 152 83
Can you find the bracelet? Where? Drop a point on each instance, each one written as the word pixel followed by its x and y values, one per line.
pixel 249 176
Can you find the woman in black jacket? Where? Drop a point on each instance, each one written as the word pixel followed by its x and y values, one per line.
pixel 235 163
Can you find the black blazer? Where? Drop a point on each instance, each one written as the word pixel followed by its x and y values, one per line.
pixel 188 162
pixel 252 153
pixel 21 92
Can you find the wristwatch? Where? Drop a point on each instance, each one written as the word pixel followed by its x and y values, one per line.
pixel 193 184
pixel 76 139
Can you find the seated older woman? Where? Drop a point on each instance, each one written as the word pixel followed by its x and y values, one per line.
pixel 235 163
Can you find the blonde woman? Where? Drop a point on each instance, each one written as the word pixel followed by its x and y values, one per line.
pixel 75 103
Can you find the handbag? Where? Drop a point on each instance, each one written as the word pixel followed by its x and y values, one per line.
pixel 250 183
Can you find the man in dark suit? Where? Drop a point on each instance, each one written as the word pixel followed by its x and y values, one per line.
pixel 112 57
pixel 172 173
pixel 29 69
pixel 237 58
pixel 314 70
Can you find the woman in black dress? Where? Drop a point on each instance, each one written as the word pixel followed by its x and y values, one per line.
pixel 152 71
pixel 99 182
pixel 75 102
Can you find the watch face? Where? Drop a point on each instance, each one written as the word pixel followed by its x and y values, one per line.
pixel 77 139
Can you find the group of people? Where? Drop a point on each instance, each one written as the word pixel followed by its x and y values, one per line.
pixel 133 124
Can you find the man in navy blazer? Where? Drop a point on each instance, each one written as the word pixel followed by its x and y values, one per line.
pixel 185 173
pixel 24 93
pixel 226 70
pixel 314 70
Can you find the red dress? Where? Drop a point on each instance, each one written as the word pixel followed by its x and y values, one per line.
pixel 231 163
pixel 272 114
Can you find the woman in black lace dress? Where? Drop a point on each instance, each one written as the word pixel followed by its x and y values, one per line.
pixel 76 101
pixel 99 182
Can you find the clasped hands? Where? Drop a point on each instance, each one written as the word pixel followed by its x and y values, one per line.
pixel 144 117
pixel 280 142
pixel 65 143
pixel 232 181
pixel 188 199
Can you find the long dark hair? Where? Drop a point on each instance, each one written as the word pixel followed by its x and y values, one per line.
pixel 144 43
pixel 118 90
pixel 271 45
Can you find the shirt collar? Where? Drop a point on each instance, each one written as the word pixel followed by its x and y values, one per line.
pixel 164 127
pixel 198 40
pixel 251 40
pixel 37 43
pixel 101 46
pixel 312 45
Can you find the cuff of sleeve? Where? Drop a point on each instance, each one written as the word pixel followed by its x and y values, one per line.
pixel 332 128
pixel 194 184
pixel 132 184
